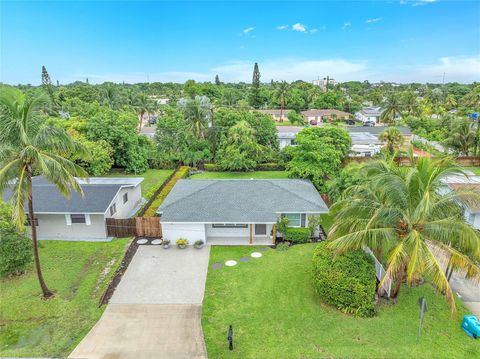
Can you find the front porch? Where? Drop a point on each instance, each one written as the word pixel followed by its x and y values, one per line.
pixel 239 241
pixel 262 234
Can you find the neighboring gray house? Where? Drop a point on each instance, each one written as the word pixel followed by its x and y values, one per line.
pixel 236 211
pixel 369 114
pixel 83 218
pixel 286 135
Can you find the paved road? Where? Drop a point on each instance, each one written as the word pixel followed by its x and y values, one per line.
pixel 156 310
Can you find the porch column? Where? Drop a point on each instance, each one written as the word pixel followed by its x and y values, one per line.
pixel 251 238
pixel 274 234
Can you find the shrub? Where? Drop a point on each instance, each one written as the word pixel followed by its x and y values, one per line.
pixel 271 166
pixel 212 167
pixel 346 281
pixel 282 247
pixel 15 248
pixel 297 235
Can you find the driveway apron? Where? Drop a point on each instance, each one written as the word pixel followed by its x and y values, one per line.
pixel 156 309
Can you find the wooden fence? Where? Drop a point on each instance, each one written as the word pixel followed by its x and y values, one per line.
pixel 138 226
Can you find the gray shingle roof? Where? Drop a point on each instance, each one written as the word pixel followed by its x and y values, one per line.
pixel 241 201
pixel 48 199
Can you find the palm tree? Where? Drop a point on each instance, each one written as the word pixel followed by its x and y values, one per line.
pixel 143 105
pixel 110 96
pixel 28 146
pixel 391 109
pixel 393 137
pixel 410 103
pixel 281 95
pixel 400 209
pixel 314 94
pixel 462 136
pixel 198 113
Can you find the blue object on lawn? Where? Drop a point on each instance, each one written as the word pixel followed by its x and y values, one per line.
pixel 471 326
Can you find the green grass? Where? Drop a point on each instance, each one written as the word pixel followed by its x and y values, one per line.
pixel 241 175
pixel 475 170
pixel 76 272
pixel 153 179
pixel 276 313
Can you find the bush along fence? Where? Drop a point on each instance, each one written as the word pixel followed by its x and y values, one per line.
pixel 273 166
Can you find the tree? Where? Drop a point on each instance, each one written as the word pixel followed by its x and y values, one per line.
pixel 462 136
pixel 409 103
pixel 101 160
pixel 295 118
pixel 241 151
pixel 282 225
pixel 198 113
pixel 217 80
pixel 142 105
pixel 318 154
pixel 351 175
pixel 28 147
pixel 281 94
pixel 255 97
pixel 110 96
pixel 392 109
pixel 399 209
pixel 48 87
pixel 393 138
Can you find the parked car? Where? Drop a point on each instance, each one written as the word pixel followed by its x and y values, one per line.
pixel 350 122
pixel 152 121
pixel 369 124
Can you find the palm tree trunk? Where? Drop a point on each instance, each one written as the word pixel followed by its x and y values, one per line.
pixel 140 121
pixel 379 252
pixel 281 111
pixel 46 292
pixel 398 283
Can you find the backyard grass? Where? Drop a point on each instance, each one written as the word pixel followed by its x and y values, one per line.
pixel 153 179
pixel 241 175
pixel 276 313
pixel 78 273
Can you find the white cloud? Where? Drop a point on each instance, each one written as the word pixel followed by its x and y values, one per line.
pixel 299 27
pixel 313 31
pixel 456 68
pixel 248 30
pixel 377 19
pixel 282 27
pixel 423 2
pixel 346 25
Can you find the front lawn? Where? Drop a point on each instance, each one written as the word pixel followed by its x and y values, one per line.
pixel 241 175
pixel 153 179
pixel 78 273
pixel 275 313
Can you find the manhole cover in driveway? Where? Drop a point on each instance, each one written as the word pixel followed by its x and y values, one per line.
pixel 142 241
pixel 245 259
pixel 231 263
pixel 157 241
pixel 256 255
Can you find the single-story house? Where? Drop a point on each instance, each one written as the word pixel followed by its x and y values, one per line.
pixel 469 182
pixel 82 217
pixel 277 114
pixel 236 211
pixel 369 114
pixel 323 115
pixel 364 144
pixel 377 130
pixel 286 135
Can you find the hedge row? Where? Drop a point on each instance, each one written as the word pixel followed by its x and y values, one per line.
pixel 181 173
pixel 346 281
pixel 212 167
pixel 297 235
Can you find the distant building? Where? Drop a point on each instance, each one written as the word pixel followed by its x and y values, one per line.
pixel 277 115
pixel 377 130
pixel 324 83
pixel 324 115
pixel 364 144
pixel 159 100
pixel 369 114
pixel 286 135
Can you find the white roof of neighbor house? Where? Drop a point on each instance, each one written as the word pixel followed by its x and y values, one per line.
pixel 288 132
pixel 470 178
pixel 125 181
pixel 364 138
pixel 239 201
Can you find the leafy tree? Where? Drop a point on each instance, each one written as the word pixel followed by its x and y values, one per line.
pixel 241 152
pixel 392 108
pixel 48 87
pixel 198 114
pixel 217 80
pixel 142 105
pixel 409 103
pixel 100 162
pixel 295 118
pixel 318 154
pixel 15 246
pixel 393 137
pixel 399 209
pixel 329 100
pixel 462 136
pixel 282 225
pixel 110 96
pixel 191 89
pixel 255 97
pixel 281 95
pixel 351 175
pixel 28 147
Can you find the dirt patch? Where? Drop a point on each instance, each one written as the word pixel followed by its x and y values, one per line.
pixel 81 275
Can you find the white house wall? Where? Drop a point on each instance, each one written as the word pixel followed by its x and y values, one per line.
pixel 54 226
pixel 190 231
pixel 124 210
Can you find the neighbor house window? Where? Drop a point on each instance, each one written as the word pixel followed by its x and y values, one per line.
pixel 229 225
pixel 78 218
pixel 28 223
pixel 296 219
pixel 125 198
pixel 113 209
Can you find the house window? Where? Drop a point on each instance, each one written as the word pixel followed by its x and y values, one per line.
pixel 78 218
pixel 125 198
pixel 229 225
pixel 28 223
pixel 296 219
pixel 113 209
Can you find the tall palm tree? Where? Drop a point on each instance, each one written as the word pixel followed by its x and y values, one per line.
pixel 393 138
pixel 409 103
pixel 110 96
pixel 462 136
pixel 143 105
pixel 400 210
pixel 198 113
pixel 281 94
pixel 392 108
pixel 28 146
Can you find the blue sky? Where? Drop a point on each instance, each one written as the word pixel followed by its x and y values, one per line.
pixel 133 41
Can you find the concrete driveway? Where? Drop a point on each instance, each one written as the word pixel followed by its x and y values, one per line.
pixel 156 310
